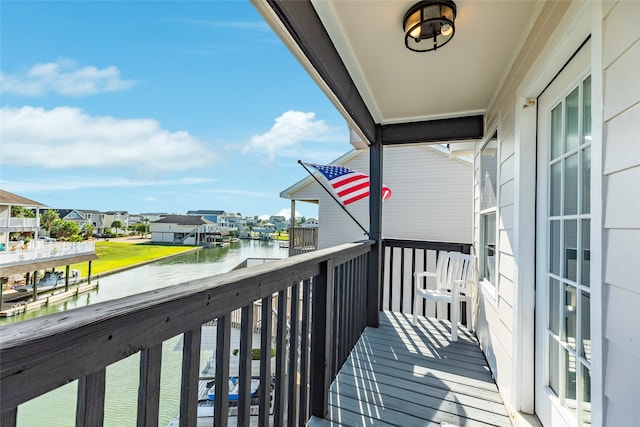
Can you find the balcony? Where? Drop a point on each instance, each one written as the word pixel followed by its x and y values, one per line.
pixel 37 250
pixel 19 224
pixel 331 360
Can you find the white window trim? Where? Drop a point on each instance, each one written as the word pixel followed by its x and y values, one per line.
pixel 490 290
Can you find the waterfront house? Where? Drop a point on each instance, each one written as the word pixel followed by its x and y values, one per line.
pixel 184 230
pixel 122 216
pixel 22 252
pixel 547 91
pixel 438 188
pixel 83 217
pixel 14 230
pixel 217 217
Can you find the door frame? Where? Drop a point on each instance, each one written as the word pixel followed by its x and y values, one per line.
pixel 579 21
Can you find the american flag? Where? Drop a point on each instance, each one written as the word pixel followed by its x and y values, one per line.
pixel 349 185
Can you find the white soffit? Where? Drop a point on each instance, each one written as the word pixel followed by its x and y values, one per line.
pixel 403 86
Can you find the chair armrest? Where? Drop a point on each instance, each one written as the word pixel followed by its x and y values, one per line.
pixel 420 274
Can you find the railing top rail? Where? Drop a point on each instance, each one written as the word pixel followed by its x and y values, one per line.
pixel 420 244
pixel 51 351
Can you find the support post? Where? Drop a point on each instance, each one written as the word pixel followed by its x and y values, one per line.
pixel 66 278
pixel 321 329
pixel 89 273
pixel 35 285
pixel 291 230
pixel 375 229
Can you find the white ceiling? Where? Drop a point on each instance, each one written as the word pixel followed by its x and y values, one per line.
pixel 399 85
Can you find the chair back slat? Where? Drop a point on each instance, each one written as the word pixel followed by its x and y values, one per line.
pixel 443 272
pixel 453 266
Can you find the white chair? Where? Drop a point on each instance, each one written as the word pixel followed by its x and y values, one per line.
pixel 453 275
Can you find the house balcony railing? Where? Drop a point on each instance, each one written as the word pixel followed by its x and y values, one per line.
pixel 19 223
pixel 37 250
pixel 320 301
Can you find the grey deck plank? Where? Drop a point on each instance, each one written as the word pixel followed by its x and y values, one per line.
pixel 389 351
pixel 399 374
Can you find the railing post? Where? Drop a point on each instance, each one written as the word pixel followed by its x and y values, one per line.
pixel 321 328
pixel 221 387
pixel 375 229
pixel 149 386
pixel 90 405
pixel 9 418
pixel 190 377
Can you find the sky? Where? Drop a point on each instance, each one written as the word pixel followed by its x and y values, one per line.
pixel 156 106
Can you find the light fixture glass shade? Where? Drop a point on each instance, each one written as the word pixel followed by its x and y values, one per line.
pixel 429 25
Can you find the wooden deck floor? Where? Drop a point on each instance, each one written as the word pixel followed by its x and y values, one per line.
pixel 403 375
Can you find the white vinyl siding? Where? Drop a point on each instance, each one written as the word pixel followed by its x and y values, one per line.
pixel 621 198
pixel 433 202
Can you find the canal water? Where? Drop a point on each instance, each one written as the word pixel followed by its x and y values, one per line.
pixel 57 408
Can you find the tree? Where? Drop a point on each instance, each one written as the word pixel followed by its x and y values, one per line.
pixel 47 218
pixel 117 224
pixel 21 212
pixel 87 230
pixel 65 230
pixel 141 228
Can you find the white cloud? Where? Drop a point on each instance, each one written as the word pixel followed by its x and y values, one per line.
pixel 78 183
pixel 66 137
pixel 150 199
pixel 246 193
pixel 290 129
pixel 287 213
pixel 64 77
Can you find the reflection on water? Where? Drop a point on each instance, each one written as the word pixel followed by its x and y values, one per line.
pixel 57 408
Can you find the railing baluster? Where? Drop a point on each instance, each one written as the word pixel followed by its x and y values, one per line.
pixel 221 387
pixel 244 387
pixel 9 418
pixel 190 377
pixel 338 305
pixel 401 299
pixel 281 365
pixel 321 340
pixel 90 405
pixel 265 361
pixel 292 394
pixel 304 355
pixel 149 386
pixel 391 251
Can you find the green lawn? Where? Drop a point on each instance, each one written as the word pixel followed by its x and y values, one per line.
pixel 113 255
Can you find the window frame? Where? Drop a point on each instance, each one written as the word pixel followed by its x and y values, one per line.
pixel 490 289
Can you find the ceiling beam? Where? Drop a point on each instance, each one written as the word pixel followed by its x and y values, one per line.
pixel 441 130
pixel 303 24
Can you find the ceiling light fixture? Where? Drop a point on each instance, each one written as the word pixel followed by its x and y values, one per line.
pixel 431 21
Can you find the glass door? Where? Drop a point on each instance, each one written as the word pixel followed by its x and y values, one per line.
pixel 563 293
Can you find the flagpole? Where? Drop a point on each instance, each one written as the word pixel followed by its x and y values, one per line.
pixel 333 197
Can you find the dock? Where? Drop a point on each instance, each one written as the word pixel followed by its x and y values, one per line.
pixel 19 307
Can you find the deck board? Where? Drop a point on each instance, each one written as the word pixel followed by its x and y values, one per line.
pixel 399 374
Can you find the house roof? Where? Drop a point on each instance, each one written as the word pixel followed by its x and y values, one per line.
pixel 205 212
pixel 356 54
pixel 183 220
pixel 10 199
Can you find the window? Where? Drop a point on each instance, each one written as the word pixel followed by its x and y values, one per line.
pixel 488 209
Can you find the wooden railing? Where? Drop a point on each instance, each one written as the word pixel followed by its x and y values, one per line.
pixel 321 306
pixel 302 240
pixel 400 259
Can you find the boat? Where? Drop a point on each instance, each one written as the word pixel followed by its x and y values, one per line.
pixel 50 281
pixel 233 389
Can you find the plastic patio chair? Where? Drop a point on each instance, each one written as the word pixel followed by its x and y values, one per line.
pixel 453 275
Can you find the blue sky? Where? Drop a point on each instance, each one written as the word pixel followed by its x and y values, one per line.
pixel 156 106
